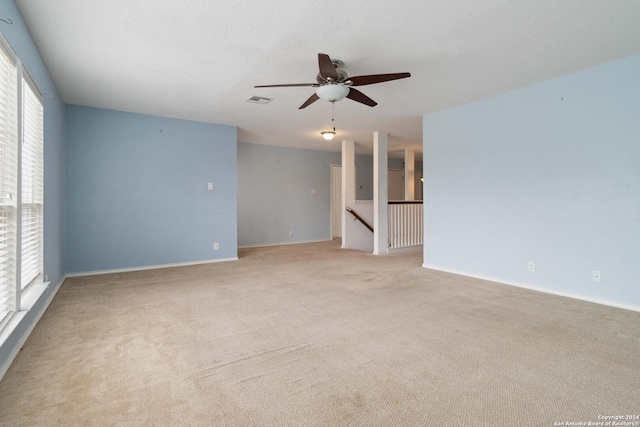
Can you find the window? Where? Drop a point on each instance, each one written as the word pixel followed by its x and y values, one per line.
pixel 31 170
pixel 21 181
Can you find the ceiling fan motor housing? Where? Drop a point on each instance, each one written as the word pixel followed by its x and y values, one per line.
pixel 343 77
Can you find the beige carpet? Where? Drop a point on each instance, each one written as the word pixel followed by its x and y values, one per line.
pixel 315 335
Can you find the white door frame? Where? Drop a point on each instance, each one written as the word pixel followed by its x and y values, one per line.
pixel 331 169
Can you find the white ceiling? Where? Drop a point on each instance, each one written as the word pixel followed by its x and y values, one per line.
pixel 199 59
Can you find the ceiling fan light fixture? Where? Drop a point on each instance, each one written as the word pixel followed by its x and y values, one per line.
pixel 328 134
pixel 332 92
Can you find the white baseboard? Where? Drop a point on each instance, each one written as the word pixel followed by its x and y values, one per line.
pixel 148 267
pixel 535 288
pixel 299 242
pixel 23 339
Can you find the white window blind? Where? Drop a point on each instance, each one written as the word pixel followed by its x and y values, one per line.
pixel 32 181
pixel 8 179
pixel 21 182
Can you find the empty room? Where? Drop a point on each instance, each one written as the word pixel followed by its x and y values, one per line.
pixel 319 213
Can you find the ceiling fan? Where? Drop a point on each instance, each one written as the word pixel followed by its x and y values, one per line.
pixel 333 83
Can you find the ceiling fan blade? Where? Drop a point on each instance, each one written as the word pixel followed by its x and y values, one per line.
pixel 377 78
pixel 292 85
pixel 360 97
pixel 327 69
pixel 313 98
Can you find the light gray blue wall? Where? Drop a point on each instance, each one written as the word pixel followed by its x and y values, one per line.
pixel 137 190
pixel 20 40
pixel 274 194
pixel 364 174
pixel 364 177
pixel 548 173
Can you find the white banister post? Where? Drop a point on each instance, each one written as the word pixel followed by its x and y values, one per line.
pixel 348 184
pixel 380 194
pixel 409 174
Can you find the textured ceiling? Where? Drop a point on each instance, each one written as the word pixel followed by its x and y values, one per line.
pixel 199 59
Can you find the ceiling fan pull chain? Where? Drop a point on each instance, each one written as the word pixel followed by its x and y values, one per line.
pixel 332 119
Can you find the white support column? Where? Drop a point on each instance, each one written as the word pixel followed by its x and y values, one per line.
pixel 380 194
pixel 409 175
pixel 348 184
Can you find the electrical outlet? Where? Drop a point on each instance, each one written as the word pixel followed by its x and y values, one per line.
pixel 216 246
pixel 290 233
pixel 597 277
pixel 210 186
pixel 531 266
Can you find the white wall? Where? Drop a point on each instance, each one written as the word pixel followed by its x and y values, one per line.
pixel 549 173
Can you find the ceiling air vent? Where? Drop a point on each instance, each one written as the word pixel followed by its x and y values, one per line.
pixel 259 100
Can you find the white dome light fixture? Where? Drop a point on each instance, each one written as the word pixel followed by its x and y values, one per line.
pixel 332 92
pixel 328 134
